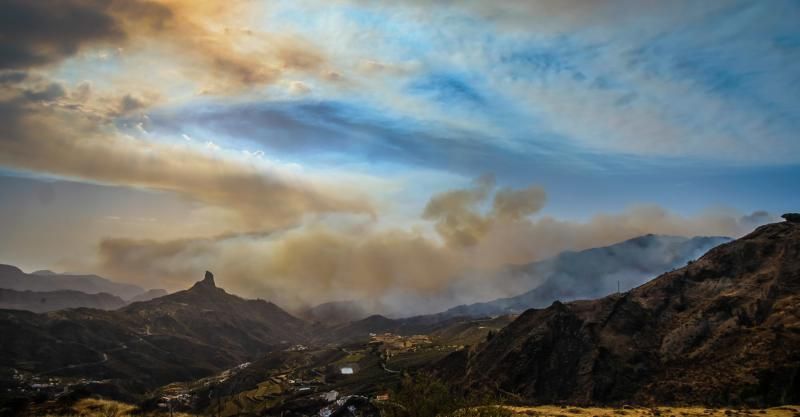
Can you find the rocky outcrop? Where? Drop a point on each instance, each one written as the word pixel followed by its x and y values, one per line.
pixel 792 217
pixel 208 279
pixel 723 330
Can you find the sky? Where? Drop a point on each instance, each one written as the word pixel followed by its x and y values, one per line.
pixel 310 151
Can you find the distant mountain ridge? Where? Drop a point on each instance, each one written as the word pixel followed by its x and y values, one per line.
pixel 13 278
pixel 723 330
pixel 149 295
pixel 44 301
pixel 595 272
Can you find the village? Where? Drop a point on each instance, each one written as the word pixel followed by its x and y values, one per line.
pixel 390 344
pixel 42 387
pixel 307 374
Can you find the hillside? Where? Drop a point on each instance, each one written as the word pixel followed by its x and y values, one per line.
pixel 181 336
pixel 724 329
pixel 594 272
pixel 44 301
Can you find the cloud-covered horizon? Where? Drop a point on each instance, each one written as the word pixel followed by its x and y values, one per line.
pixel 345 143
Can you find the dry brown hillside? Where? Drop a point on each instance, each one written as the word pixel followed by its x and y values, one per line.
pixel 722 330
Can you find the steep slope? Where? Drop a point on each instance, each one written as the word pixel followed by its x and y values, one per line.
pixel 594 272
pixel 13 278
pixel 182 336
pixel 724 329
pixel 206 312
pixel 44 301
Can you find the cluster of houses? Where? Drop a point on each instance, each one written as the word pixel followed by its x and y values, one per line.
pixel 170 402
pixel 51 387
pixel 297 348
pixel 389 344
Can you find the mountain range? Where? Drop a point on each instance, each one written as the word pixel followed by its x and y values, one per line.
pixel 570 275
pixel 44 301
pixel 724 329
pixel 13 278
pixel 594 272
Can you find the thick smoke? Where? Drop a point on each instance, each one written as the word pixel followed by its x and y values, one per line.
pixel 398 271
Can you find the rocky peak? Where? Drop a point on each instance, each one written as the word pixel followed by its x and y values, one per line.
pixel 208 279
pixel 207 282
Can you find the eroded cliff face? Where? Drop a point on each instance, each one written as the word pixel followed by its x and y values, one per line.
pixel 724 329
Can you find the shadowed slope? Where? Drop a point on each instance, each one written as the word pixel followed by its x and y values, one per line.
pixel 724 329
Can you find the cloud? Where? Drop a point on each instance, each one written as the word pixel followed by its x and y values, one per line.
pixel 513 205
pixel 204 39
pixel 51 92
pixel 63 141
pixel 457 215
pixel 40 33
pixel 208 43
pixel 521 241
pixel 299 88
pixel 636 80
pixel 295 268
pixel 400 270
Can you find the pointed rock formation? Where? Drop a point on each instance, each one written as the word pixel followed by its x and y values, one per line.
pixel 208 279
pixel 206 284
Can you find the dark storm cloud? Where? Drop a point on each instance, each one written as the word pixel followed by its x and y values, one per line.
pixel 12 77
pixel 39 33
pixel 50 92
pixel 36 33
